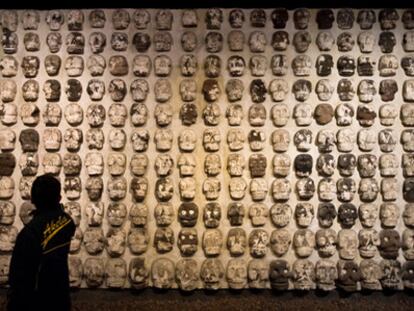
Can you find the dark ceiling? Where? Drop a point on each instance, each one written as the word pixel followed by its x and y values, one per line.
pixel 290 4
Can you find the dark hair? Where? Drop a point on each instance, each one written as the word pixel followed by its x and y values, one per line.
pixel 45 192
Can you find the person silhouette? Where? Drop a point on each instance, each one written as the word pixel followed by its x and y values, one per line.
pixel 39 273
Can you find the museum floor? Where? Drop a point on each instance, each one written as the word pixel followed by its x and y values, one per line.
pixel 103 300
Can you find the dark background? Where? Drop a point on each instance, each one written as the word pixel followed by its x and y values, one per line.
pixel 290 4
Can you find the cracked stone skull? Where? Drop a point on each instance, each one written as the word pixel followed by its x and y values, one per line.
pixel 281 189
pixel 345 139
pixel 52 163
pixel 388 165
pixel 96 65
pixel 94 271
pixel 407 64
pixel 116 214
pixel 236 40
pixel 212 164
pixel 139 188
pixel 366 91
pixel 366 18
pixel 163 214
pixel 257 273
pixel 347 215
pixel 162 65
pixel 370 274
pixel 212 215
pixel 187 274
pixel 211 273
pixel 187 241
pixel 237 188
pixel 28 163
pixel 30 90
pixel 368 189
pixel 258 214
pixel 368 242
pixel 164 189
pixel 408 244
pixel 186 164
pixel 212 242
pixel 10 42
pixel 389 214
pixel 138 273
pixel 303 242
pixel 258 243
pixel 236 242
pixel 326 242
pixel 347 244
pixel 303 274
pixel 280 114
pixel 280 241
pixel 278 89
pixel 234 90
pixel 366 139
pixel 389 189
pixel 391 274
pixel 303 139
pixel 115 242
pixel 236 273
pixel 164 240
pixel 303 114
pixel 326 214
pixel 94 240
pixel 280 140
pixel 349 275
pixel 211 188
pixel 303 165
pixel 368 214
pixel 235 213
pixel 325 140
pixel 163 139
pixel 258 65
pixel 325 18
pixel 9 66
pixel 162 90
pixel 75 271
pixel 211 114
pixel 325 40
pixel 187 188
pixel 326 274
pixel 279 274
pixel 115 272
pixel 162 273
pixel 279 64
pixel 258 189
pixel 141 66
pixel 304 214
pixel 94 213
pixel 94 187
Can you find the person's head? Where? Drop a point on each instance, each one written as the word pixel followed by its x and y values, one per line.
pixel 45 192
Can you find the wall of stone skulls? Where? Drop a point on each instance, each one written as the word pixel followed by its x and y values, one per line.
pixel 216 148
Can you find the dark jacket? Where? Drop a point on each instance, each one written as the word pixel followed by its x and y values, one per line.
pixel 39 274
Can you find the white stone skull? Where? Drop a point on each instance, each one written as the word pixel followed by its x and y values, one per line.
pixel 366 41
pixel 347 244
pixel 140 140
